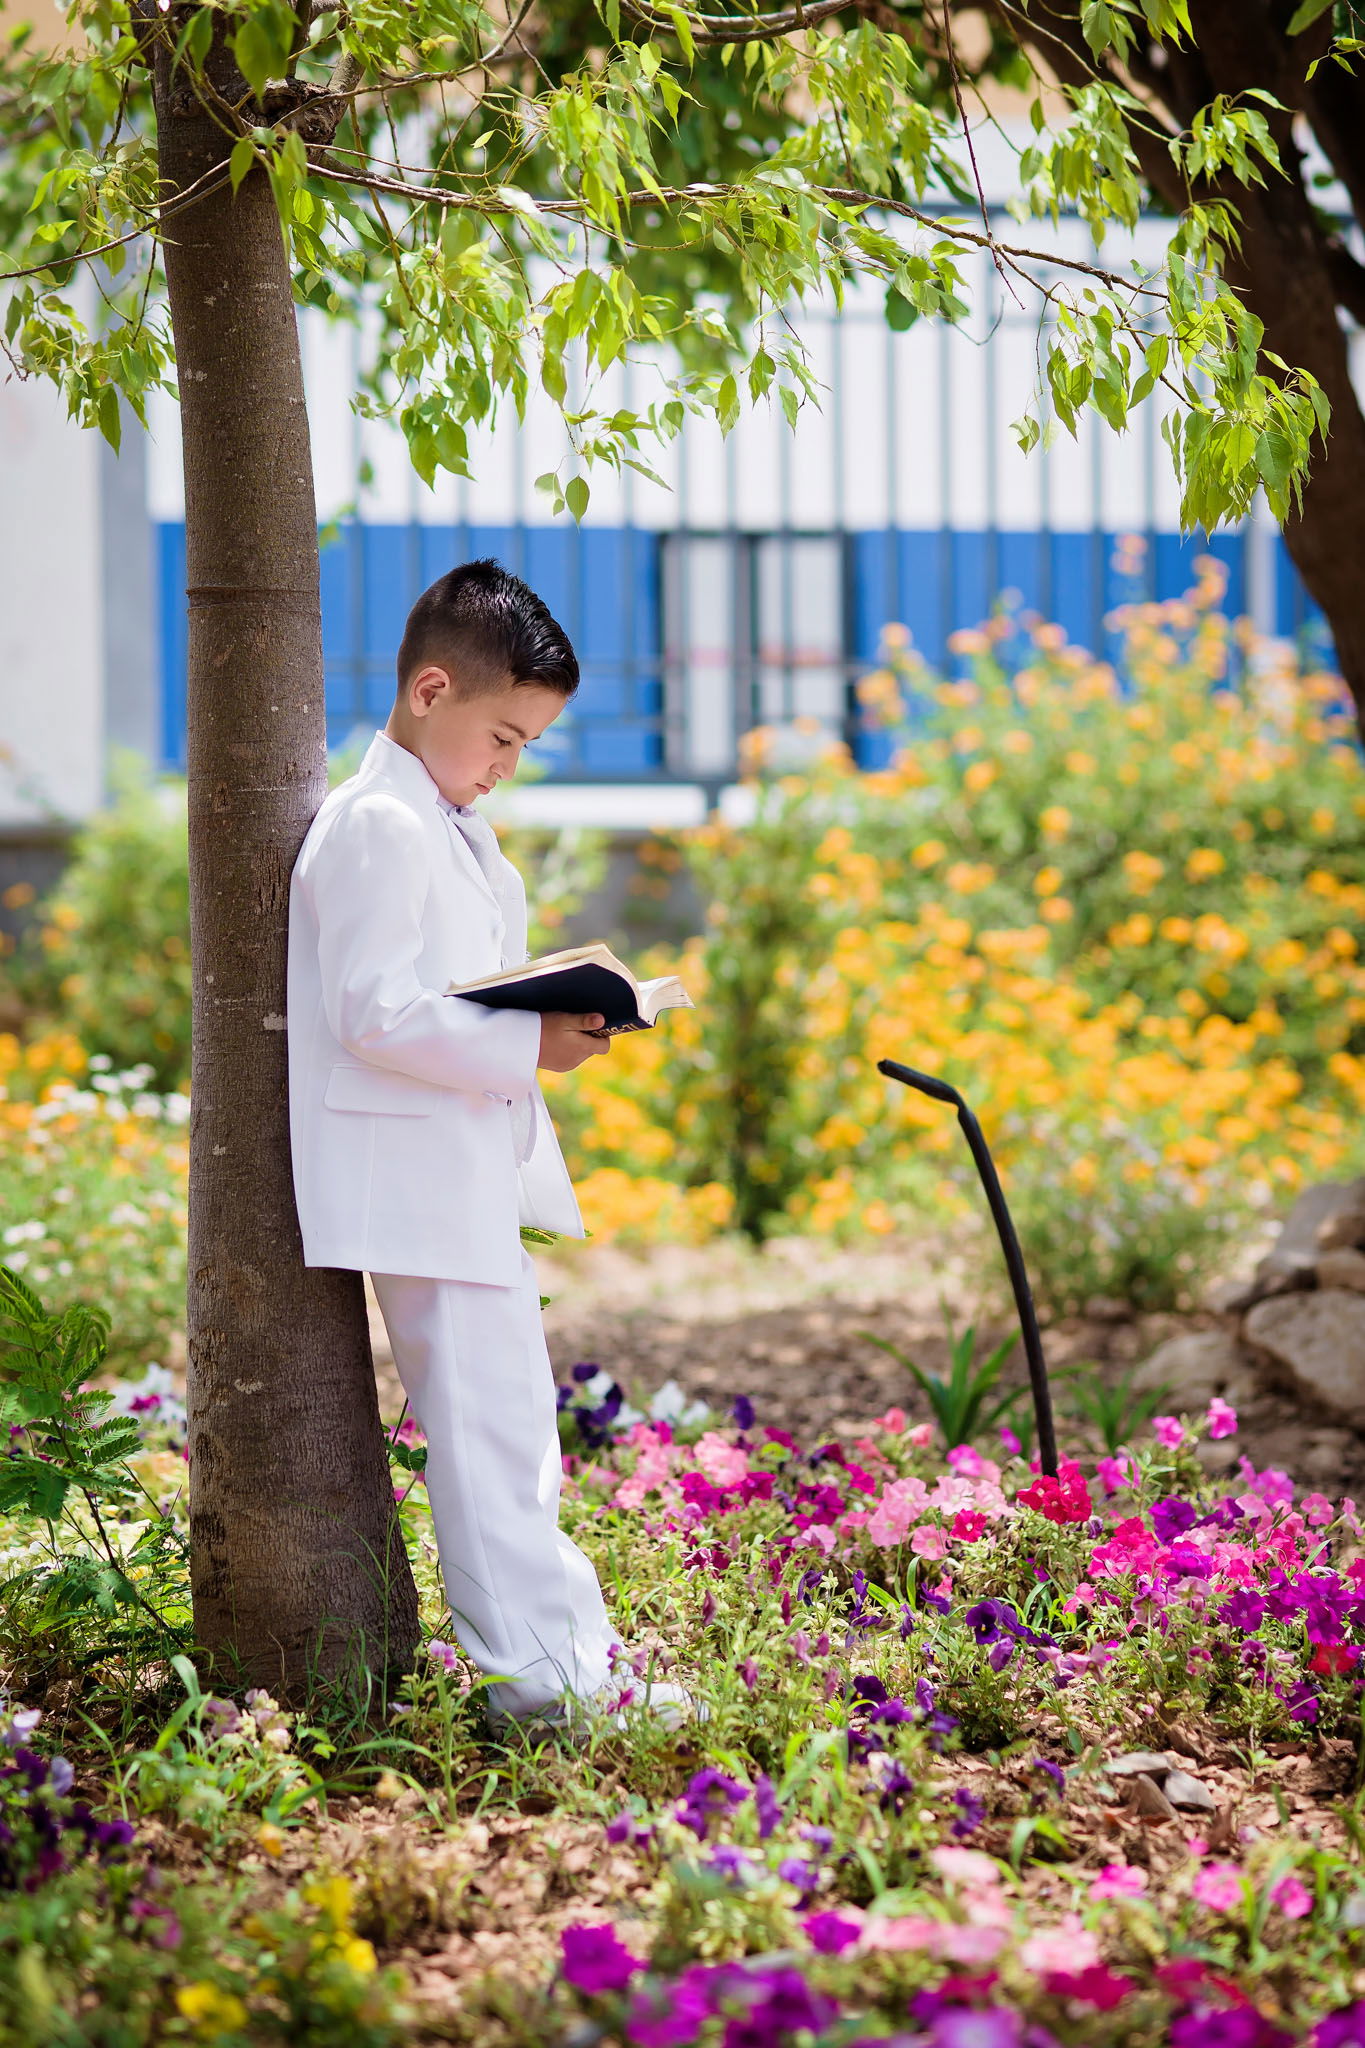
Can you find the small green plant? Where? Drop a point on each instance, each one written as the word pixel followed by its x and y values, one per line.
pixel 69 1470
pixel 214 1763
pixel 961 1403
pixel 1116 1413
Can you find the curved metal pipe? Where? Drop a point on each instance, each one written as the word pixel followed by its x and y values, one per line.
pixel 927 1084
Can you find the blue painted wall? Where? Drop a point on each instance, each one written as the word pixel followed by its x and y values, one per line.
pixel 603 584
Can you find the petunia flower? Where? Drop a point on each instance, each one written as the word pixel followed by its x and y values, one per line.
pixel 1221 1418
pixel 1169 1431
pixel 1118 1881
pixel 595 1959
pixel 1220 1886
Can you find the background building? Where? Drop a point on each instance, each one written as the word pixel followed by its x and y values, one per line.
pixel 752 589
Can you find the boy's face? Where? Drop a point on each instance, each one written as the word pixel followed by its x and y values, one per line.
pixel 467 744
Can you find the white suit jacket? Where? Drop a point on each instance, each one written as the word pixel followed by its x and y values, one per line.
pixel 399 1095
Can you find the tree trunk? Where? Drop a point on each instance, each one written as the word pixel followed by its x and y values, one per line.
pixel 298 1567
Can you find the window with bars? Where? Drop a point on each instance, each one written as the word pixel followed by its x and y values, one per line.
pixel 754 633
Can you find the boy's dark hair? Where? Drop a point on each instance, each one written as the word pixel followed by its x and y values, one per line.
pixel 484 626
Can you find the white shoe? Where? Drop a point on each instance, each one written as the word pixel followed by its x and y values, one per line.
pixel 576 1714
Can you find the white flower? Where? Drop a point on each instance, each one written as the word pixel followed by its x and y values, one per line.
pixel 26 1233
pixel 127 1216
pixel 670 1404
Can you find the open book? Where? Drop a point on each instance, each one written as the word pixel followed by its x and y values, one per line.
pixel 583 979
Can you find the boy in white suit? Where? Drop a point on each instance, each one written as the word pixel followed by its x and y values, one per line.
pixel 421 1141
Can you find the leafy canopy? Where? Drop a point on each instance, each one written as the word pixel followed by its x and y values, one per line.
pixel 535 197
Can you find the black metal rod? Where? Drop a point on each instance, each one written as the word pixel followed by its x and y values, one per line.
pixel 927 1084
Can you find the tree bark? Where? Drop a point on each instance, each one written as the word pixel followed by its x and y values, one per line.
pixel 298 1567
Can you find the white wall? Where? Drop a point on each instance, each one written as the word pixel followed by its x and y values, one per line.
pixel 52 727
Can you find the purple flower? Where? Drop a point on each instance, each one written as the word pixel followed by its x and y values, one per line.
pixel 768 1806
pixel 669 2017
pixel 709 1797
pixel 729 1861
pixel 112 1835
pixel 1053 1771
pixel 1243 1610
pixel 748 1671
pixel 829 1934
pixel 595 1959
pixel 583 1372
pixel 780 2003
pixel 60 1776
pixel 743 1412
pixel 1302 1703
pixel 1206 2026
pixel 1344 2029
pixel 999 1654
pixel 626 1828
pixel 976 2027
pixel 971 1811
pixel 795 1870
pixel 1171 1517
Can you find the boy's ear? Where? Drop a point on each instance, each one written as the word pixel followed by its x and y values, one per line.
pixel 427 687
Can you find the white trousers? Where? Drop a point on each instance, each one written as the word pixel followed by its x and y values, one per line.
pixel 525 1601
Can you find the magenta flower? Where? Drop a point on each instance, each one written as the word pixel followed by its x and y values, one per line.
pixel 1096 1986
pixel 1221 1419
pixel 1292 1896
pixel 1220 1887
pixel 1169 1431
pixel 829 1934
pixel 1119 1881
pixel 595 1959
pixel 1344 2029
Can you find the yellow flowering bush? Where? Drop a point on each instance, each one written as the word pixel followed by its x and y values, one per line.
pixel 93 1173
pixel 1130 944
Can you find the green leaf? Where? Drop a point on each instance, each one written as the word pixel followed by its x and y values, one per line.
pixel 1304 17
pixel 242 158
pixel 576 496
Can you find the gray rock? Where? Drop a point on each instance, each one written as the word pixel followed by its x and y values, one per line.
pixel 1149 1798
pixel 1195 1366
pixel 1292 1259
pixel 1139 1762
pixel 1230 1297
pixel 1187 1793
pixel 1345 1226
pixel 1319 1340
pixel 1344 1267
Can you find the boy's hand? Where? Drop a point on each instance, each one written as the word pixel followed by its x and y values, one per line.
pixel 567 1040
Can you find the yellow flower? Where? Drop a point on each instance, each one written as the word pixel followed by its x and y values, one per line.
pixel 1322 821
pixel 270 1838
pixel 1078 762
pixel 1055 821
pixel 359 1954
pixel 979 777
pixel 1056 910
pixel 1048 881
pixel 928 853
pixel 210 2010
pixel 1203 864
pixel 1142 871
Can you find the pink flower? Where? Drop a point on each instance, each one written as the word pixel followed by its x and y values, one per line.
pixel 1220 1886
pixel 929 1541
pixel 444 1654
pixel 1119 1881
pixel 893 1420
pixel 1060 1500
pixel 595 1958
pixel 905 1931
pixel 921 1436
pixel 901 1501
pixel 1221 1419
pixel 968 1527
pixel 1066 1947
pixel 1169 1431
pixel 1114 1473
pixel 1084 1596
pixel 971 1867
pixel 968 1462
pixel 1317 1509
pixel 724 1464
pixel 1292 1897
